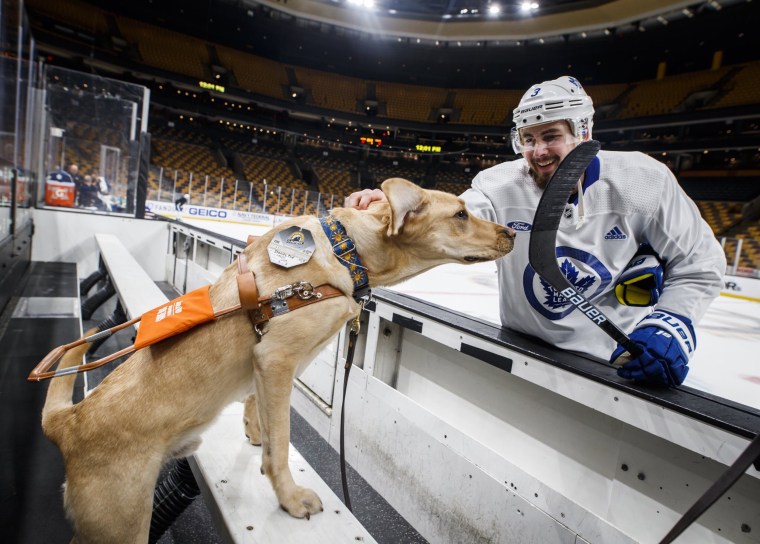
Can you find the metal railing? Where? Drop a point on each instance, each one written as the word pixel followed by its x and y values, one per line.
pixel 169 184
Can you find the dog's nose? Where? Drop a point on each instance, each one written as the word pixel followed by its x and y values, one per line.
pixel 509 232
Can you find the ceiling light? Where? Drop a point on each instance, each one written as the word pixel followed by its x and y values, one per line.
pixel 494 9
pixel 528 6
pixel 368 4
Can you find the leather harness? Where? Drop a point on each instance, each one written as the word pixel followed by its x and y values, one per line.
pixel 283 300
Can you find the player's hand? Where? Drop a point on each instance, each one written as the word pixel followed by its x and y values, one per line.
pixel 362 199
pixel 667 341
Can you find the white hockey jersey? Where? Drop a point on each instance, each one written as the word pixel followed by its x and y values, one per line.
pixel 628 199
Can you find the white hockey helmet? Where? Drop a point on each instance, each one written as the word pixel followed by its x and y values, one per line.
pixel 561 99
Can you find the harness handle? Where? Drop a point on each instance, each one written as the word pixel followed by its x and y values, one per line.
pixel 262 314
pixel 42 372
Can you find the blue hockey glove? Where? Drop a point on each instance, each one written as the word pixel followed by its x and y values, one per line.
pixel 640 284
pixel 667 341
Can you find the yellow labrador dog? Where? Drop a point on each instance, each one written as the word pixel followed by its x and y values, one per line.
pixel 156 404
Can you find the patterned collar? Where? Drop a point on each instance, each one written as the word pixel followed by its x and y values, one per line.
pixel 344 249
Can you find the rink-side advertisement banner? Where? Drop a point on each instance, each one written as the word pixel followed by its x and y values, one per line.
pixel 190 211
pixel 741 287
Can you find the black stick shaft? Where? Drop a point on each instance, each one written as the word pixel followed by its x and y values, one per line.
pixel 544 235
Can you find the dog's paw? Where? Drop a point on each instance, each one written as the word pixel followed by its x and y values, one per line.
pixel 255 440
pixel 302 502
pixel 252 430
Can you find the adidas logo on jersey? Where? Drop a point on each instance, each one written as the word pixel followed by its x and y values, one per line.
pixel 615 234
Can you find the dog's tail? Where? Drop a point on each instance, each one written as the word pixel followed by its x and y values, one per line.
pixel 59 395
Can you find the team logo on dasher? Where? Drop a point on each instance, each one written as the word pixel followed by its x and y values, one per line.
pixel 587 275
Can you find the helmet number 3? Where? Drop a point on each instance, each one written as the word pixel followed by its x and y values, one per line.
pixel 536 91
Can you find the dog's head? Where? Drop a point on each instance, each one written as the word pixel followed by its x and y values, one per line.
pixel 434 227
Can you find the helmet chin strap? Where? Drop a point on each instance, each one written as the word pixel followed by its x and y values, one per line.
pixel 581 210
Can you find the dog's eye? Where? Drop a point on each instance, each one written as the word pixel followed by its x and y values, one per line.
pixel 462 214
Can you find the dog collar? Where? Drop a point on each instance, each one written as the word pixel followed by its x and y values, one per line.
pixel 344 248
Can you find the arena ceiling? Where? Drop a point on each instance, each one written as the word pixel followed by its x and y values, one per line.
pixel 436 10
pixel 487 20
pixel 434 42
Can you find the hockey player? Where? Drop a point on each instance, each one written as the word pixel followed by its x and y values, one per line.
pixel 630 241
pixel 181 201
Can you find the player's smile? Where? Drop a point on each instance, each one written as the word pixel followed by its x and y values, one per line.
pixel 543 168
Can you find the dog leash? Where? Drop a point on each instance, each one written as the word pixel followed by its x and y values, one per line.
pixel 260 310
pixel 352 337
pixel 345 251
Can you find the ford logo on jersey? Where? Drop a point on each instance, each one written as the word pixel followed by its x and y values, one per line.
pixel 520 226
pixel 586 274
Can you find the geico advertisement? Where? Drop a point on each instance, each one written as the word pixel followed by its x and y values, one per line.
pixel 168 209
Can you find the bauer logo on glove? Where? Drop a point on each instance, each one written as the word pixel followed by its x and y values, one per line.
pixel 641 281
pixel 667 341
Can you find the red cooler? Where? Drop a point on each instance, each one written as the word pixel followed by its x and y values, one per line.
pixel 60 193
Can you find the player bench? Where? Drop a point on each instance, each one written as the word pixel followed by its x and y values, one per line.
pixel 226 466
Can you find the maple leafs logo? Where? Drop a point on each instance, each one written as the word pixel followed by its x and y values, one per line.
pixel 556 301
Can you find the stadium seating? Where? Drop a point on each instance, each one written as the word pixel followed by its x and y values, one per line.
pixel 325 93
pixel 188 56
pixel 412 102
pixel 75 12
pixel 721 216
pixel 167 50
pixel 662 96
pixel 485 106
pixel 742 89
pixel 254 74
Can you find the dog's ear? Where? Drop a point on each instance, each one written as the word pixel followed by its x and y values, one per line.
pixel 404 197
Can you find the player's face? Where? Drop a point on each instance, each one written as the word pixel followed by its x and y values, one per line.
pixel 544 147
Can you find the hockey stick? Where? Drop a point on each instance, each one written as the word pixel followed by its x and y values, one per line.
pixel 544 262
pixel 544 236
